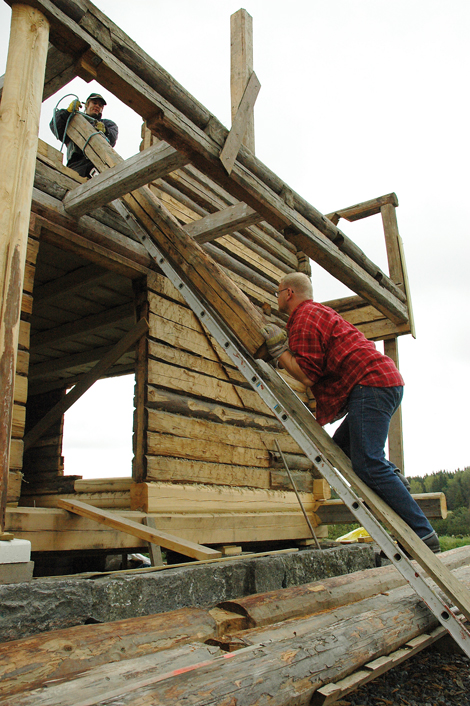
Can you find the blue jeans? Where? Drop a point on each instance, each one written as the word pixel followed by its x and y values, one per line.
pixel 362 437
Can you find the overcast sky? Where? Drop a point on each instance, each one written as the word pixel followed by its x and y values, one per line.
pixel 359 98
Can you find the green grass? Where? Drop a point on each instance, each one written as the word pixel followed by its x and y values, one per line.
pixel 447 542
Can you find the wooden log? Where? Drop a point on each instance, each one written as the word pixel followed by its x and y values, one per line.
pixel 363 209
pixel 286 663
pixel 185 255
pixel 154 498
pixel 93 645
pixel 139 170
pixel 179 470
pixel 222 222
pixel 433 505
pixel 60 654
pixel 319 596
pixel 19 124
pixel 137 530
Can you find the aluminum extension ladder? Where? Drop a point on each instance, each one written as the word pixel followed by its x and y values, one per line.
pixel 451 609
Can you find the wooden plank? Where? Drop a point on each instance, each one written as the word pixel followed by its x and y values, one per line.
pixel 197 363
pixel 102 485
pixel 240 123
pixel 222 222
pixel 139 170
pixel 137 530
pixel 241 68
pixel 161 498
pixel 330 693
pixel 85 383
pixel 19 124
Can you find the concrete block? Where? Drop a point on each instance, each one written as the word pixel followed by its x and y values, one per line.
pixel 16 573
pixel 17 551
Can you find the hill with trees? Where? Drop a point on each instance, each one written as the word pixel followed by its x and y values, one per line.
pixel 456 486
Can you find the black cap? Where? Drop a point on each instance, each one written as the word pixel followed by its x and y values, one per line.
pixel 96 96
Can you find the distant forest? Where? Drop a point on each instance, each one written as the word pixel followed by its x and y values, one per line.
pixel 456 486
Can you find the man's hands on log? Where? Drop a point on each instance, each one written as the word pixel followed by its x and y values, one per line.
pixel 276 342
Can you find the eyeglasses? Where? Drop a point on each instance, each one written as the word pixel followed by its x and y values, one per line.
pixel 281 290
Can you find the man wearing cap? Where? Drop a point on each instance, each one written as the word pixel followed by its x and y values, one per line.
pixel 94 105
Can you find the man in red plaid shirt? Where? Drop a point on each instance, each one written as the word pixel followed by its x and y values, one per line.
pixel 349 378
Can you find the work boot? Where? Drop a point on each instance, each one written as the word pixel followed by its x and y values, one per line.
pixel 432 541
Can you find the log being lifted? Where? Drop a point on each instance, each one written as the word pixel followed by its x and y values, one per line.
pixel 61 654
pixel 185 255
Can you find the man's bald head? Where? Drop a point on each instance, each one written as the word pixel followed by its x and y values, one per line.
pixel 294 288
pixel 299 283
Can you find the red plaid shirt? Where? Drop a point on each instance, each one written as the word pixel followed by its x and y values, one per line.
pixel 335 356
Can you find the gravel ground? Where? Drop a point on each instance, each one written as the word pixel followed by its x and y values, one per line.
pixel 431 678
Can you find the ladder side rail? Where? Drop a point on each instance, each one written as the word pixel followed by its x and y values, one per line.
pixel 254 373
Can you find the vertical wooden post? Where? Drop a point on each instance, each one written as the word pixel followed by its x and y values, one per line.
pixel 241 66
pixel 19 124
pixel 395 434
pixel 397 269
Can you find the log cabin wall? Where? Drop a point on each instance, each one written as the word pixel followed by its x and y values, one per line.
pixel 198 424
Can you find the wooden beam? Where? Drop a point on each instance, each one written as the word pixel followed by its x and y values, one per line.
pixel 364 209
pixel 141 169
pixel 241 69
pixel 19 124
pixel 117 315
pixel 333 512
pixel 396 256
pixel 395 435
pixel 148 534
pixel 85 383
pixel 222 223
pixel 240 124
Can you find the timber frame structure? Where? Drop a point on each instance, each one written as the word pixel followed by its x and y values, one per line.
pixel 84 299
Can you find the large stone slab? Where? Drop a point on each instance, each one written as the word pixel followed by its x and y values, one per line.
pixel 55 603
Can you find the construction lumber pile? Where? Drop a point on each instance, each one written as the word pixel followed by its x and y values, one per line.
pixel 316 641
